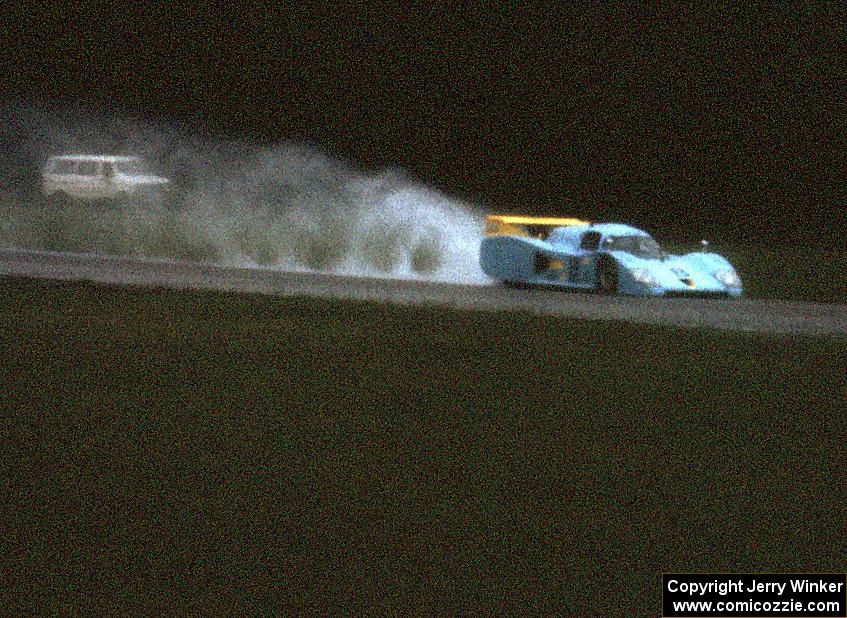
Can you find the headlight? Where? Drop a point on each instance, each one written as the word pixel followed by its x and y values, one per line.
pixel 728 277
pixel 643 275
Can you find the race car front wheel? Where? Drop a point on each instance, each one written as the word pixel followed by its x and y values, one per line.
pixel 607 276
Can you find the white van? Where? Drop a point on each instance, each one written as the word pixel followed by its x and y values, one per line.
pixel 98 177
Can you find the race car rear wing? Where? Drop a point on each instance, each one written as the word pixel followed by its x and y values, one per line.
pixel 535 227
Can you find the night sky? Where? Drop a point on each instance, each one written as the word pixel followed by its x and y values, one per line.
pixel 720 120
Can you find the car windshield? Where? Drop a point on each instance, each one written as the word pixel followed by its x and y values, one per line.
pixel 639 246
pixel 132 167
pixel 62 166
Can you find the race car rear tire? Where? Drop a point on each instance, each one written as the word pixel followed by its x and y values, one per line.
pixel 607 276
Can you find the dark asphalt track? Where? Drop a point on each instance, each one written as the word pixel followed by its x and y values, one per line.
pixel 760 316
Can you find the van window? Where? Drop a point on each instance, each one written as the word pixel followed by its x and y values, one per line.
pixel 63 166
pixel 87 168
pixel 132 167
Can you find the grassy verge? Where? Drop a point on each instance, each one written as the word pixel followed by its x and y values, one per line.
pixel 808 273
pixel 796 273
pixel 214 453
pixel 195 233
pixel 137 230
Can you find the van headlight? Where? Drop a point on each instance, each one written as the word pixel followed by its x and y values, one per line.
pixel 643 275
pixel 728 277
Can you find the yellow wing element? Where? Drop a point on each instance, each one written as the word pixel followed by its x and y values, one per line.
pixel 535 227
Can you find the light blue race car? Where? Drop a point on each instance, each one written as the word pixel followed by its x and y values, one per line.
pixel 610 258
